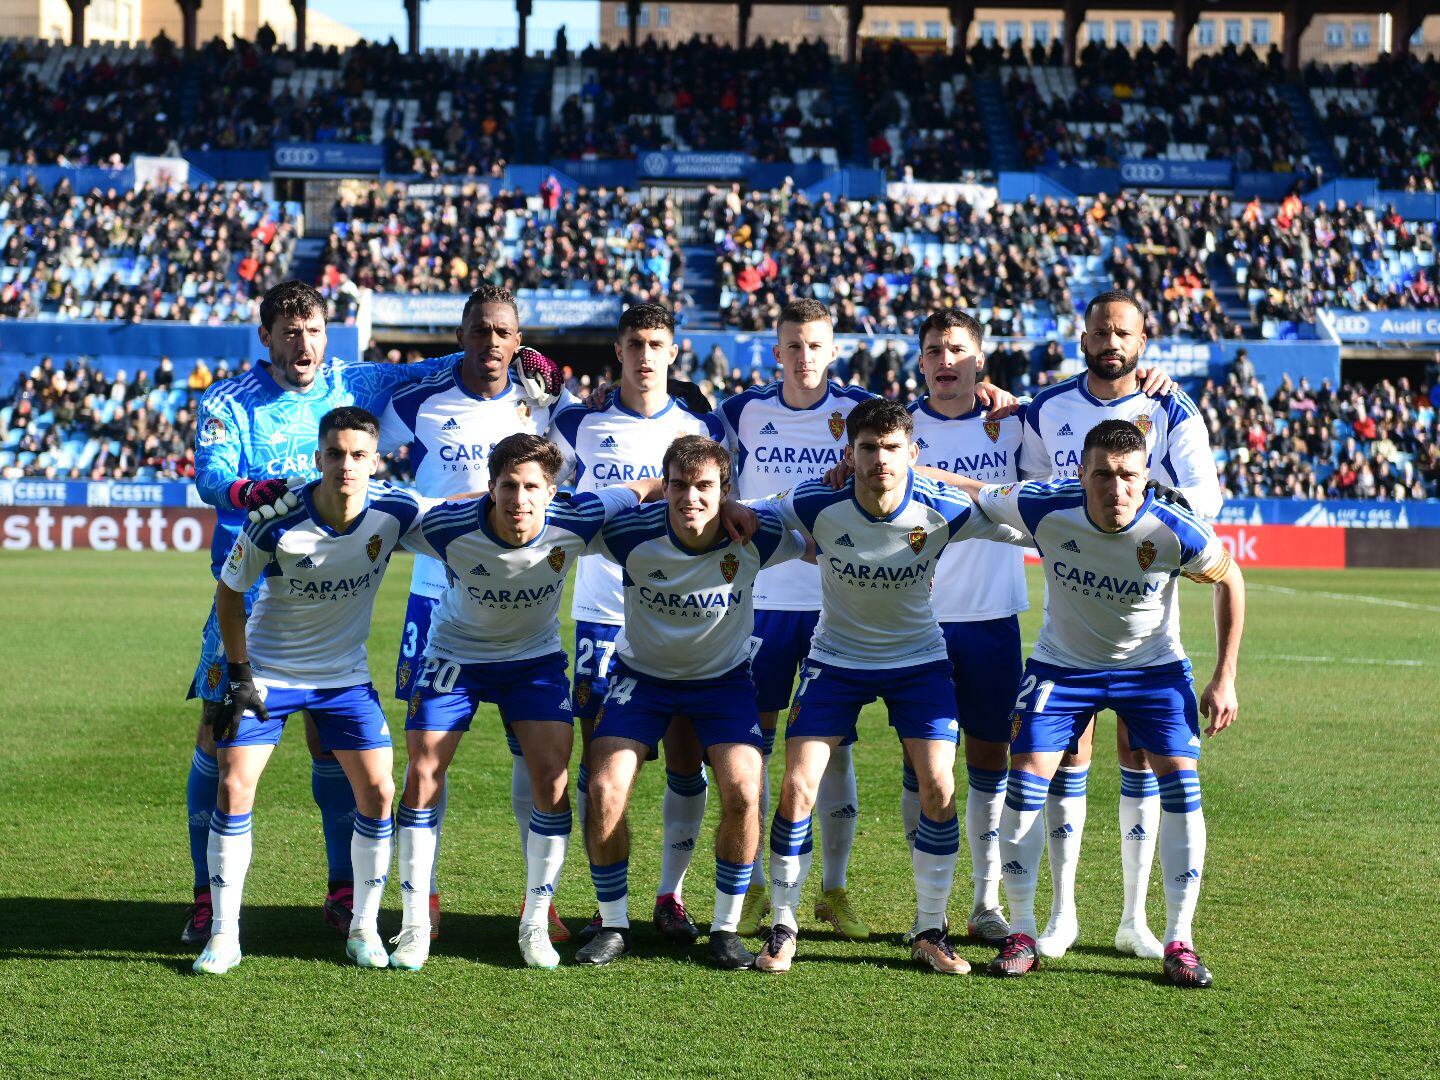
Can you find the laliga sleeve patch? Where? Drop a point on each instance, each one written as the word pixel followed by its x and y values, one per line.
pixel 213 432
pixel 236 557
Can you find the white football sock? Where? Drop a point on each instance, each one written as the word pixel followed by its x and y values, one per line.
pixel 791 849
pixel 1065 808
pixel 1139 831
pixel 984 800
pixel 544 856
pixel 837 805
pixel 1182 851
pixel 937 849
pixel 732 880
pixel 227 856
pixel 612 893
pixel 1022 843
pixel 370 846
pixel 441 805
pixel 683 812
pixel 416 845
pixel 909 803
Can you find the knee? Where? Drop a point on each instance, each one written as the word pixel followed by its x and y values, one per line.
pixel 234 793
pixel 422 781
pixel 741 798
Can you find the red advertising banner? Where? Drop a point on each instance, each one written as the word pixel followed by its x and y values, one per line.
pixel 1285 547
pixel 64 528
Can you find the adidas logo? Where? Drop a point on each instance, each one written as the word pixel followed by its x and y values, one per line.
pixel 1137 833
pixel 991 837
pixel 845 813
pixel 543 890
pixel 1013 867
pixel 375 882
pixel 405 886
pixel 305 563
pixel 479 570
pixel 688 844
pixel 755 730
pixel 1070 545
pixel 658 575
pixel 1189 877
pixel 200 817
pixel 784 884
pixel 845 541
pixel 1062 831
pixel 450 425
pixel 910 837
pixel 216 881
pixel 922 444
pixel 1066 430
pixel 608 443
pixel 565 705
pixel 769 429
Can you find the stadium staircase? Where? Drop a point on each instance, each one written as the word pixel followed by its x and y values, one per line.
pixel 999 128
pixel 531 116
pixel 305 262
pixel 702 283
pixel 1232 297
pixel 1322 150
pixel 847 114
pixel 188 89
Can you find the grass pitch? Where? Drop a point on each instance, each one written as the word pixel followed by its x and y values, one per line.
pixel 1317 918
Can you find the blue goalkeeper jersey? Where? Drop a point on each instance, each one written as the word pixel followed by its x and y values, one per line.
pixel 249 428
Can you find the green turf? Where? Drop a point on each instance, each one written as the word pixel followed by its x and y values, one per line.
pixel 1319 912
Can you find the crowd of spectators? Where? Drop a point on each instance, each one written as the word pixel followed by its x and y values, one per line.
pixel 1303 441
pixel 97 107
pixel 711 97
pixel 1228 103
pixel 1392 132
pixel 607 241
pixel 196 254
pixel 920 114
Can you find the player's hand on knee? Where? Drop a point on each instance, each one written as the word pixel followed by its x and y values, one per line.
pixel 268 499
pixel 1154 382
pixel 1168 494
pixel 538 375
pixel 838 474
pixel 998 403
pixel 241 696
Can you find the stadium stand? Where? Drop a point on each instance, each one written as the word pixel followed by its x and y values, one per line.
pixel 1384 118
pixel 921 115
pixel 199 254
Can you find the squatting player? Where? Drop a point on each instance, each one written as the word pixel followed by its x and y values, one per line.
pixel 879 537
pixel 683 652
pixel 626 440
pixel 495 637
pixel 303 648
pixel 451 421
pixel 1111 639
pixel 1113 387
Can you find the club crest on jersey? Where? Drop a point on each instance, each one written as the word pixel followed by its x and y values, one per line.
pixel 582 692
pixel 556 559
pixel 1143 423
pixel 729 566
pixel 413 708
pixel 917 539
pixel 992 430
pixel 402 677
pixel 836 424
pixel 373 546
pixel 213 675
pixel 1145 554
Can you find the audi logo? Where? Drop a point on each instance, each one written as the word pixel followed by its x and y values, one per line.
pixel 1351 324
pixel 296 156
pixel 654 164
pixel 1139 173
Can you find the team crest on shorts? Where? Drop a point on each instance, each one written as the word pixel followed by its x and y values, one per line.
pixel 582 692
pixel 402 677
pixel 729 566
pixel 556 559
pixel 992 430
pixel 837 424
pixel 794 713
pixel 1145 554
pixel 1015 723
pixel 1143 423
pixel 212 676
pixel 917 539
pixel 373 546
pixel 413 708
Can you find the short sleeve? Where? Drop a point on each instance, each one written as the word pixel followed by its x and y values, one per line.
pixel 1001 504
pixel 1209 564
pixel 777 543
pixel 245 563
pixel 614 499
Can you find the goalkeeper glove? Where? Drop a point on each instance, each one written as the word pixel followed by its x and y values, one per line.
pixel 538 375
pixel 241 696
pixel 264 499
pixel 1168 494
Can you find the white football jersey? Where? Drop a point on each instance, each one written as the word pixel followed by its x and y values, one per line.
pixel 776 448
pixel 308 626
pixel 451 432
pixel 610 446
pixel 1110 598
pixel 688 615
pixel 981 579
pixel 876 573
pixel 503 602
pixel 1060 417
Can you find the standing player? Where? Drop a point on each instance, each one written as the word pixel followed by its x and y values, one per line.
pixel 1111 639
pixel 625 440
pixel 451 422
pixel 496 637
pixel 304 648
pixel 684 651
pixel 783 434
pixel 1112 387
pixel 879 538
pixel 979 592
